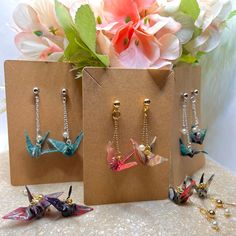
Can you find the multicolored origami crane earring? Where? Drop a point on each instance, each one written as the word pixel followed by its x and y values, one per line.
pixel 36 151
pixel 202 187
pixel 185 140
pixel 181 194
pixel 67 147
pixel 67 207
pixel 197 134
pixel 114 157
pixel 37 208
pixel 144 151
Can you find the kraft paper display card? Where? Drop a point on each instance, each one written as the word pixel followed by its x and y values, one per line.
pixel 101 87
pixel 21 77
pixel 187 79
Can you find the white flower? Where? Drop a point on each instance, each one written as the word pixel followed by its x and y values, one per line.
pixel 213 14
pixel 168 6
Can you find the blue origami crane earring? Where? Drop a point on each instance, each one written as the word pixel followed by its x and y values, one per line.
pixel 185 140
pixel 36 151
pixel 197 134
pixel 67 147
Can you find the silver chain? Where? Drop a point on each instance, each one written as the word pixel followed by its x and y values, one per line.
pixel 185 123
pixel 65 115
pixel 37 116
pixel 194 111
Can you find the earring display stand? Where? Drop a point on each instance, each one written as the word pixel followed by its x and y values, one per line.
pixel 21 77
pixel 101 87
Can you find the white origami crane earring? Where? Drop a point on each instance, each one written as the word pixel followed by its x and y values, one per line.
pixel 67 147
pixel 36 151
pixel 144 151
pixel 197 134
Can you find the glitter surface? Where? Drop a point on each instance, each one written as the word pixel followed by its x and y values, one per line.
pixel 143 218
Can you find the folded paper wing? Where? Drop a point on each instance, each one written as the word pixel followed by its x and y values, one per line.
pixel 118 164
pixel 21 214
pixel 151 159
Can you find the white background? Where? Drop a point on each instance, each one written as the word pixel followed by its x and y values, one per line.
pixel 218 89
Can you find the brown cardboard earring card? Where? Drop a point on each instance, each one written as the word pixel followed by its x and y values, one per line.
pixel 21 77
pixel 101 87
pixel 187 79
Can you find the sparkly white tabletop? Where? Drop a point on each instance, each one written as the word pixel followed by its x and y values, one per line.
pixel 143 218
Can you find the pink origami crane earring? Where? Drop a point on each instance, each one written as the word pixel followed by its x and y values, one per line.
pixel 114 157
pixel 144 151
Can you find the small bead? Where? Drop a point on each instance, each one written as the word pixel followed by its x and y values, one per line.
pixel 211 214
pixel 227 212
pixel 215 225
pixel 141 148
pixel 39 138
pixel 219 203
pixel 184 131
pixel 65 135
pixel 195 129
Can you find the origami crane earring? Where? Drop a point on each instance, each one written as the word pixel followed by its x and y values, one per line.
pixel 197 135
pixel 36 150
pixel 181 194
pixel 185 140
pixel 114 156
pixel 67 147
pixel 37 208
pixel 202 187
pixel 68 207
pixel 144 151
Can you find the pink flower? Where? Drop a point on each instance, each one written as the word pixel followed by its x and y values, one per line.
pixel 140 38
pixel 39 35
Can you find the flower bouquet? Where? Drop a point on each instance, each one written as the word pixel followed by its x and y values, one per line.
pixel 120 33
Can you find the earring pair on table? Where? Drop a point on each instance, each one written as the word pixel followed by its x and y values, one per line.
pixel 143 152
pixel 183 193
pixel 195 134
pixel 65 147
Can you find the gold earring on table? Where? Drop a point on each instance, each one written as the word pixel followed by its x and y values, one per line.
pixel 144 151
pixel 219 204
pixel 210 215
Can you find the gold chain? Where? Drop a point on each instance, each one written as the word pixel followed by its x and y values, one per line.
pixel 145 132
pixel 116 116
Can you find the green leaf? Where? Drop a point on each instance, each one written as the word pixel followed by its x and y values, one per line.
pixel 190 7
pixel 65 20
pixel 86 26
pixel 81 36
pixel 232 14
pixel 188 59
pixel 197 32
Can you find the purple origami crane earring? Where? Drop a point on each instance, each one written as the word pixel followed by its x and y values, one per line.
pixel 36 209
pixel 197 134
pixel 68 207
pixel 115 159
pixel 144 151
